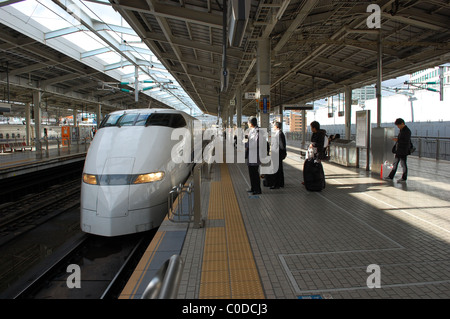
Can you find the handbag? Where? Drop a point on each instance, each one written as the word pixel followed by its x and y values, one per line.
pixel 394 148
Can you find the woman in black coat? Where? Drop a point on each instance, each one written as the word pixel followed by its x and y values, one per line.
pixel 403 146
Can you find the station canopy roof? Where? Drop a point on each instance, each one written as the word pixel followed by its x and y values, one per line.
pixel 318 47
pixel 83 50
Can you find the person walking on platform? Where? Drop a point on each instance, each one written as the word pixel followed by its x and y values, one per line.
pixel 252 156
pixel 278 150
pixel 401 150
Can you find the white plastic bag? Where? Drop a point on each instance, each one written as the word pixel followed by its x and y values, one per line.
pixel 386 168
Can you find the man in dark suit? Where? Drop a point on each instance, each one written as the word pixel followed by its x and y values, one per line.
pixel 402 150
pixel 279 150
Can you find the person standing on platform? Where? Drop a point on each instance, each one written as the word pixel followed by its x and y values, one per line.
pixel 313 173
pixel 401 150
pixel 252 156
pixel 279 150
pixel 318 140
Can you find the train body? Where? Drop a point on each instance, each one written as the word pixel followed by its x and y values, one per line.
pixel 17 132
pixel 129 171
pixel 10 133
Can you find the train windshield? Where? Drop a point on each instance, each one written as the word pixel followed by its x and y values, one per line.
pixel 110 120
pixel 136 119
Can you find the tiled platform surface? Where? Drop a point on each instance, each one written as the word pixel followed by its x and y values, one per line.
pixel 308 244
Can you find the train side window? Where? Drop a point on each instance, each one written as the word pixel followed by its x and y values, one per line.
pixel 178 121
pixel 164 119
pixel 142 119
pixel 128 119
pixel 158 119
pixel 13 135
pixel 1 135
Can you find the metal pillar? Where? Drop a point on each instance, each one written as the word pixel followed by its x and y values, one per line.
pixel 379 77
pixel 37 118
pixel 238 107
pixel 263 72
pixel 27 123
pixel 74 114
pixel 136 84
pixel 304 123
pixel 348 112
pixel 98 112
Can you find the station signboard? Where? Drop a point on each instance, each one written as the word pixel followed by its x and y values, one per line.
pixel 297 107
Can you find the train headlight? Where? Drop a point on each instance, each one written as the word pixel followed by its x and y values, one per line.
pixel 148 178
pixel 90 179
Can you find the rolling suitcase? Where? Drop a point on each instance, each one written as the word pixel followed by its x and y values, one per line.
pixel 313 175
pixel 268 180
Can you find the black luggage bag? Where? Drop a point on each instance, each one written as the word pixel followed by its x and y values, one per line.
pixel 268 180
pixel 313 175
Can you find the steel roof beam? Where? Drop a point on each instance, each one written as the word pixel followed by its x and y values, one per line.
pixel 172 12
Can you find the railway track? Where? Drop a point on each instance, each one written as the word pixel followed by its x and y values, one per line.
pixel 40 237
pixel 30 211
pixel 93 267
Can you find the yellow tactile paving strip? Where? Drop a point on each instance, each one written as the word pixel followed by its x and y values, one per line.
pixel 228 268
pixel 215 207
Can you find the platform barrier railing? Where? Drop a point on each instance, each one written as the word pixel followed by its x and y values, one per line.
pixel 184 202
pixel 165 284
pixel 181 212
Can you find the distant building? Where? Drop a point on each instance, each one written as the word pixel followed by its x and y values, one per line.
pixel 365 93
pixel 430 75
pixel 296 122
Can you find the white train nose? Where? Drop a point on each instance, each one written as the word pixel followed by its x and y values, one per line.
pixel 112 201
pixel 113 195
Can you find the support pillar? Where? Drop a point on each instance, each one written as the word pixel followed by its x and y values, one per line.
pixel 27 124
pixel 238 107
pixel 348 112
pixel 136 84
pixel 231 115
pixel 37 95
pixel 263 73
pixel 304 123
pixel 379 77
pixel 98 112
pixel 74 114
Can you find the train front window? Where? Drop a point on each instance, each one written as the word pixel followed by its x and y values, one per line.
pixel 110 120
pixel 144 119
pixel 128 119
pixel 141 119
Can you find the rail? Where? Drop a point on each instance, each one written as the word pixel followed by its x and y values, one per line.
pixel 188 199
pixel 435 147
pixel 181 211
pixel 165 284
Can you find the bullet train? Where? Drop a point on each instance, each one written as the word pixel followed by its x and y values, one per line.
pixel 129 170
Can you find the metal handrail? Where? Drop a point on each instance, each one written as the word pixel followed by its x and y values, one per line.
pixel 177 192
pixel 192 192
pixel 165 284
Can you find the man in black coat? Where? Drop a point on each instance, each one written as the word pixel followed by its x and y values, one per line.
pixel 403 146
